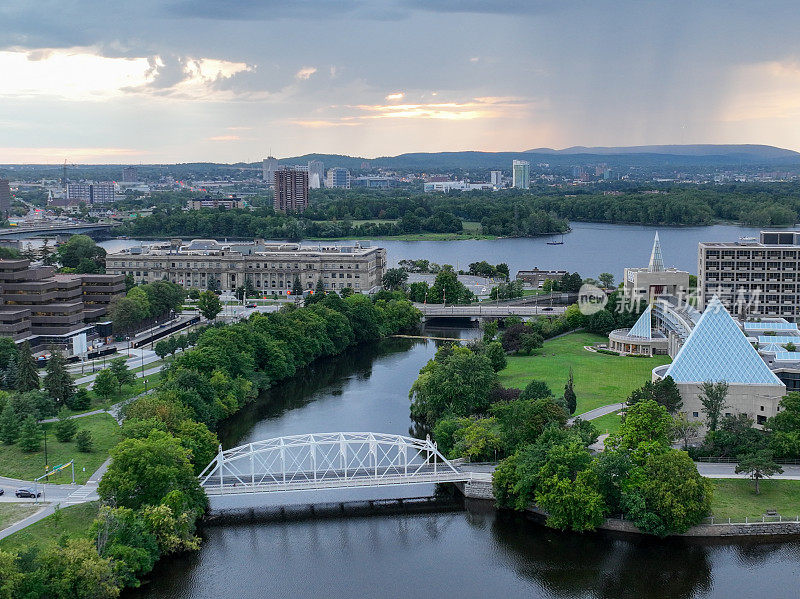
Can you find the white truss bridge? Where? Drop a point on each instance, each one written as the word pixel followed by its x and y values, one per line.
pixel 328 461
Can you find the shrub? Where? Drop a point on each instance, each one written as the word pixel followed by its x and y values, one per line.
pixel 84 442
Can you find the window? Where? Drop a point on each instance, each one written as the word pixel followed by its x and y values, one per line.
pixel 695 414
pixel 762 408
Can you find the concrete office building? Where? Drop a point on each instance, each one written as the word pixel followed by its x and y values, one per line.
pixel 91 193
pixel 752 278
pixel 536 277
pixel 521 174
pixel 268 167
pixel 291 190
pixel 338 177
pixel 316 174
pixel 214 203
pixel 5 198
pixel 270 267
pixel 130 174
pixel 654 279
pixel 496 178
pixel 44 308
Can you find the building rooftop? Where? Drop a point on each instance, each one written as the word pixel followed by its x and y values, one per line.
pixel 778 339
pixel 644 326
pixel 209 247
pixel 717 350
pixel 770 326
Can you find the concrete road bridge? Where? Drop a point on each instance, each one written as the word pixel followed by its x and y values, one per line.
pixel 52 229
pixel 481 311
pixel 322 461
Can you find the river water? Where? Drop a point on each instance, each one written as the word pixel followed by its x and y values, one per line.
pixel 591 248
pixel 475 553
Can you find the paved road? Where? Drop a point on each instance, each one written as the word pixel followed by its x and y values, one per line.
pixel 710 470
pixel 597 412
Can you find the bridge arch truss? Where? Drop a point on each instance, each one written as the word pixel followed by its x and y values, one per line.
pixel 327 461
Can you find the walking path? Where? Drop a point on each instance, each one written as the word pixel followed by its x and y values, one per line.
pixel 597 412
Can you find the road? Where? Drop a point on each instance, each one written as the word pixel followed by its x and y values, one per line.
pixel 486 311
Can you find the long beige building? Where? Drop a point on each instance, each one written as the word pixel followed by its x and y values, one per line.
pixel 752 278
pixel 270 267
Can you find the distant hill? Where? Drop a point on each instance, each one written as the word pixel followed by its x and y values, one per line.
pixel 753 150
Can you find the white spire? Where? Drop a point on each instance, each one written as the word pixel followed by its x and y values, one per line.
pixel 656 259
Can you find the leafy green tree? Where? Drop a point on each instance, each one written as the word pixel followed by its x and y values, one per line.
pixel 600 323
pixel 84 441
pixel 494 352
pixel 80 401
pixel 9 425
pixel 194 293
pixel 645 422
pixel 785 427
pixel 8 352
pixel 163 297
pixel 478 440
pixel 209 305
pixel 30 435
pixel 569 393
pixel 668 495
pixel 536 390
pixel 126 537
pixel 684 429
pixel 162 348
pixel 530 342
pixel 522 421
pixel 10 374
pixel 66 427
pixel 666 393
pixel 459 385
pixel 757 465
pixel 490 330
pixel 33 403
pixel 297 287
pixel 212 285
pixel 27 374
pixel 613 470
pixel 418 292
pixel 201 443
pixel 144 471
pixel 395 279
pixel 81 253
pixel 129 282
pixel 607 279
pixel 11 577
pixel 57 381
pixel 76 571
pixel 713 397
pixel 129 312
pixel 105 384
pixel 123 374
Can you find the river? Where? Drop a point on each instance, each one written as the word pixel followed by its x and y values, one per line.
pixel 476 553
pixel 591 248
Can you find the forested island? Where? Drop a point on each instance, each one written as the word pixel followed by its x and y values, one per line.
pixel 336 213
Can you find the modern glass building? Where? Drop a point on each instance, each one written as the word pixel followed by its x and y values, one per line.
pixel 521 174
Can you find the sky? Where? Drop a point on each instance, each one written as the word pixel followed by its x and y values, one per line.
pixel 146 81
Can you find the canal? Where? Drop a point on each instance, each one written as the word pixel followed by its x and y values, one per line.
pixel 474 553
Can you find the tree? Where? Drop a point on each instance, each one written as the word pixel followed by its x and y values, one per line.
pixel 30 435
pixel 536 390
pixel 84 441
pixel 212 285
pixel 607 279
pixel 570 494
pixel 667 495
pixel 10 576
pixel 66 427
pixel 395 279
pixel 713 397
pixel 684 429
pixel 162 348
pixel 119 368
pixel 75 570
pixel 57 381
pixel 785 427
pixel 81 253
pixel 489 330
pixel 105 384
pixel 194 293
pixel 494 351
pixel 144 471
pixel 600 323
pixel 757 465
pixel 27 374
pixel 319 289
pixel 129 282
pixel 666 393
pixel 530 342
pixel 645 422
pixel 129 312
pixel 9 425
pixel 80 401
pixel 10 373
pixel 297 287
pixel 569 393
pixel 209 305
pixel 522 421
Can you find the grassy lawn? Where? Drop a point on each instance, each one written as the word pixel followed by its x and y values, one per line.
pixel 127 392
pixel 72 521
pixel 599 379
pixel 14 512
pixel 736 498
pixel 27 466
pixel 609 423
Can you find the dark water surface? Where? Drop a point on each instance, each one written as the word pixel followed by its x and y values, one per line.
pixel 473 553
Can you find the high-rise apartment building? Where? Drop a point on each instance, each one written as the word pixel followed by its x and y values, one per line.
pixel 316 174
pixel 521 174
pixel 268 167
pixel 338 177
pixel 752 278
pixel 291 190
pixel 497 179
pixel 5 198
pixel 130 174
pixel 91 193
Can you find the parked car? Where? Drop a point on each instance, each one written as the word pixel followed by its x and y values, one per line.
pixel 2 491
pixel 547 309
pixel 250 306
pixel 27 493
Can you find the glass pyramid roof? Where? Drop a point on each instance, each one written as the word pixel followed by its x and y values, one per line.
pixel 656 259
pixel 643 327
pixel 771 348
pixel 717 350
pixel 779 339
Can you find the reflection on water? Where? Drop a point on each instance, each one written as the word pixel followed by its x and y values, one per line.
pixel 475 553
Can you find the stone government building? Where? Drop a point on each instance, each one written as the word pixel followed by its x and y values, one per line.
pixel 270 267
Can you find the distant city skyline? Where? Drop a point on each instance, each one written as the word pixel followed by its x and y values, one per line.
pixel 177 81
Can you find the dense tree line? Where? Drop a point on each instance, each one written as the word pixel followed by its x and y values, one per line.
pixel 151 495
pixel 145 304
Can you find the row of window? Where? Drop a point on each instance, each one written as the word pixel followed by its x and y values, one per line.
pixel 755 254
pixel 256 265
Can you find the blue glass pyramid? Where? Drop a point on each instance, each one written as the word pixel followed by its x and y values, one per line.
pixel 643 327
pixel 717 350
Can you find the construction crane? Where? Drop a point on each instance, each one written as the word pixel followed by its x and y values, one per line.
pixel 64 173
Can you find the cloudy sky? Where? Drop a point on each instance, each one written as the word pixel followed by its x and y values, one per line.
pixel 229 80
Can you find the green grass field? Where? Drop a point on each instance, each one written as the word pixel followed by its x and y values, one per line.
pixel 72 521
pixel 737 499
pixel 26 466
pixel 599 379
pixel 14 512
pixel 609 423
